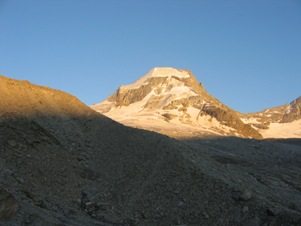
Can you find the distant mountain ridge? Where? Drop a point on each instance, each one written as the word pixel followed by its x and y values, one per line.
pixel 173 97
pixel 281 114
pixel 277 122
pixel 173 102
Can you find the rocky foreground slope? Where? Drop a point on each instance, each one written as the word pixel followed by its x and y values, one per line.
pixel 172 102
pixel 62 163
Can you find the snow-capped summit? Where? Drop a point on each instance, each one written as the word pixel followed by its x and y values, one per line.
pixel 168 72
pixel 173 102
pixel 162 72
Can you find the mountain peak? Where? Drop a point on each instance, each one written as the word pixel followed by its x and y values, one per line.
pixel 168 72
pixel 167 98
pixel 159 72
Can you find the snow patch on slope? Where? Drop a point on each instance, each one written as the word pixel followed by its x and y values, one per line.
pixel 182 91
pixel 184 124
pixel 168 72
pixel 283 130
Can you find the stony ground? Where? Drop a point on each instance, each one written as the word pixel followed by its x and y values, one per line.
pixel 75 167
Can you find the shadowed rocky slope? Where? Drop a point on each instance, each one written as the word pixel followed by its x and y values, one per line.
pixel 61 163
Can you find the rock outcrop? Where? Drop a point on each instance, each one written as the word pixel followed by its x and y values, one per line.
pixel 8 205
pixel 293 112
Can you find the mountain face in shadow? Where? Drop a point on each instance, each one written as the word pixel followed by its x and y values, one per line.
pixel 62 163
pixel 172 102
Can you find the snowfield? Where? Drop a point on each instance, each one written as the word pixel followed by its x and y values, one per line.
pixel 283 130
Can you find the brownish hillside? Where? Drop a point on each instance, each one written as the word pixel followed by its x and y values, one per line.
pixel 61 163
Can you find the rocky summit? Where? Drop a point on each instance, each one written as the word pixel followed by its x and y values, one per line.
pixel 62 163
pixel 172 102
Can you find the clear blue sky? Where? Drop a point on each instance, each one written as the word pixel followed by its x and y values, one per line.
pixel 247 53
